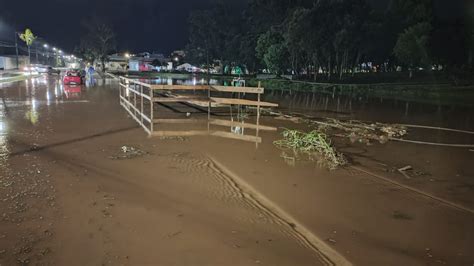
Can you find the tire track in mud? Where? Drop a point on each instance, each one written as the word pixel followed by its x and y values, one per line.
pixel 230 189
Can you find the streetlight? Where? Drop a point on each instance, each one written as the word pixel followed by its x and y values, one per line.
pixel 45 45
pixel 127 55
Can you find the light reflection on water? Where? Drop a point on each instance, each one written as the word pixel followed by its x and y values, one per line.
pixel 354 106
pixel 32 114
pixel 3 138
pixel 173 81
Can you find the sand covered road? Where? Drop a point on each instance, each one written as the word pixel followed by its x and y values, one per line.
pixel 198 200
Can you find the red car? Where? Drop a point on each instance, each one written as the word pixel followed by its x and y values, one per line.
pixel 72 77
pixel 72 91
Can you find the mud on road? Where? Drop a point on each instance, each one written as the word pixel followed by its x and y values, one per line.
pixel 81 184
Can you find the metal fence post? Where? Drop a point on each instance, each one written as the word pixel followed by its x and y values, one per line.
pixel 141 103
pixel 135 99
pixel 151 110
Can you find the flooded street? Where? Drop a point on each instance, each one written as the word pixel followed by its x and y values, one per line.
pixel 82 184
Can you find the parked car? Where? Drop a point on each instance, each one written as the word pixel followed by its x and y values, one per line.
pixel 72 77
pixel 72 91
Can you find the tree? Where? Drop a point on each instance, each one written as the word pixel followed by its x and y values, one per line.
pixel 272 51
pixel 215 34
pixel 85 52
pixel 275 58
pixel 204 42
pixel 295 37
pixel 99 41
pixel 411 48
pixel 28 37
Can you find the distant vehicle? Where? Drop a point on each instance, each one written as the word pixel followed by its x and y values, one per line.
pixel 51 70
pixel 72 77
pixel 37 68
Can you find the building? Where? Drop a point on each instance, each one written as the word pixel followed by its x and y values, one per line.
pixel 8 62
pixel 141 62
pixel 117 63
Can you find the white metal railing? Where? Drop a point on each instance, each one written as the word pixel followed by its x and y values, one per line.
pixel 135 97
pixel 139 98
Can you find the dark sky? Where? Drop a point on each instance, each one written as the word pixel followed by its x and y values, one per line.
pixel 141 25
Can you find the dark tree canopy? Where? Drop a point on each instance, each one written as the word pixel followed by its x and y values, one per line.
pixel 328 38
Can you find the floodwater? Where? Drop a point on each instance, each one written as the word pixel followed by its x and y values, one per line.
pixel 82 184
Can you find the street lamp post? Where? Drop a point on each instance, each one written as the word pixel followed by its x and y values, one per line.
pixel 16 50
pixel 45 46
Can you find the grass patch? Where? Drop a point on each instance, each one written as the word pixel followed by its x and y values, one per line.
pixel 312 143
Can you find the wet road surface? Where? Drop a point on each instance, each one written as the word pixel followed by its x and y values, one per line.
pixel 69 196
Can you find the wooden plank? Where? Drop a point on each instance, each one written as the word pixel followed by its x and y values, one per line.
pixel 180 99
pixel 237 89
pixel 242 102
pixel 220 122
pixel 178 121
pixel 179 87
pixel 188 133
pixel 229 135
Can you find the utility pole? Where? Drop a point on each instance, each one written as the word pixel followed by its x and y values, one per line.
pixel 36 49
pixel 16 49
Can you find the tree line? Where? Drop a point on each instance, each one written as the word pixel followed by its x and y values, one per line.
pixel 330 38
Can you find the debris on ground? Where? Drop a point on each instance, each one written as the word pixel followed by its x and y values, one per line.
pixel 407 171
pixel 314 143
pixel 128 152
pixel 362 132
pixel 290 160
pixel 354 130
pixel 174 234
pixel 401 216
pixel 403 171
pixel 288 118
pixel 177 138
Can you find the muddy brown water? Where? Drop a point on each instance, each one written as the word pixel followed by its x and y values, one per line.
pixel 66 199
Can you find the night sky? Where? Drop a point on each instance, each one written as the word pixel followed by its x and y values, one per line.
pixel 141 25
